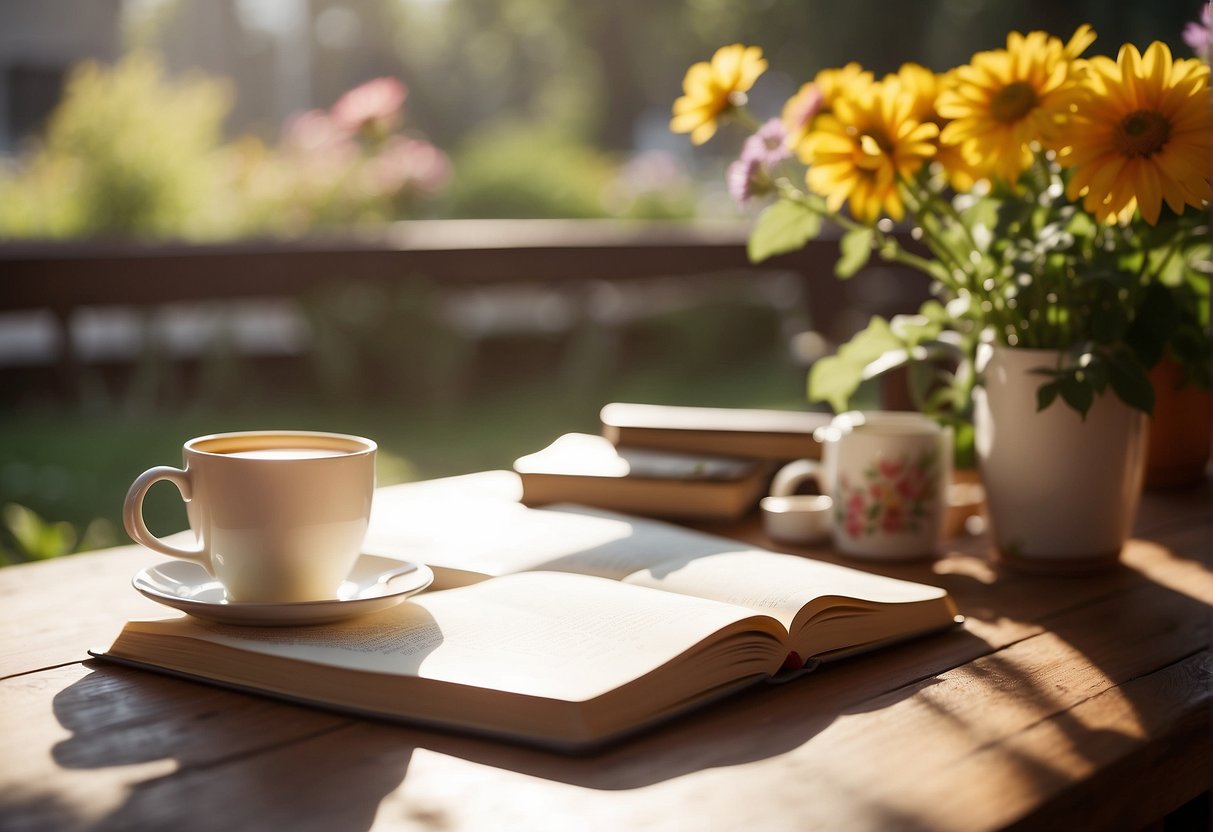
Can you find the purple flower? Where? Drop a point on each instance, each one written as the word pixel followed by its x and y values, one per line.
pixel 768 145
pixel 1196 35
pixel 744 179
pixel 750 175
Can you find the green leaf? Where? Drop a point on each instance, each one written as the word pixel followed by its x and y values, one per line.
pixel 855 248
pixel 1046 394
pixel 835 378
pixel 1130 381
pixel 983 213
pixel 915 329
pixel 782 227
pixel 935 312
pixel 1082 225
pixel 964 444
pixel 1157 318
pixel 1076 394
pixel 1108 324
pixel 36 538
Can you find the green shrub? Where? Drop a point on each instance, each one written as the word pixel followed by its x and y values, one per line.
pixel 133 153
pixel 126 152
pixel 516 170
pixel 24 536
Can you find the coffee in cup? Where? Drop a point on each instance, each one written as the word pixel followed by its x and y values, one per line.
pixel 278 516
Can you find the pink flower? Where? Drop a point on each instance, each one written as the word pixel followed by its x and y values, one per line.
pixel 912 485
pixel 855 504
pixel 1196 35
pixel 750 175
pixel 854 526
pixel 318 152
pixel 801 109
pixel 409 163
pixel 768 144
pixel 373 106
pixel 313 131
pixel 744 179
pixel 890 468
pixel 894 519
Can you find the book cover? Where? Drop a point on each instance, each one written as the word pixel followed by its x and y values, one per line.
pixel 774 435
pixel 588 469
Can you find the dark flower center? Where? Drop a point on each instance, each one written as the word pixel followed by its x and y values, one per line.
pixel 1142 133
pixel 1013 102
pixel 876 142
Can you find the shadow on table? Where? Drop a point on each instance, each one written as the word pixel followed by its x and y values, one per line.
pixel 758 723
pixel 1112 644
pixel 242 759
pixel 241 762
pixel 1105 660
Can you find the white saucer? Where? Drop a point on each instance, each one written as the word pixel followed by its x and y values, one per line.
pixel 798 518
pixel 375 583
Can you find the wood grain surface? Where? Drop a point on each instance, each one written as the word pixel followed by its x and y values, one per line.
pixel 1078 702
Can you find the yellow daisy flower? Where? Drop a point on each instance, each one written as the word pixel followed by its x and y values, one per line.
pixel 924 88
pixel 818 96
pixel 1005 100
pixel 846 80
pixel 711 89
pixel 1142 135
pixel 862 151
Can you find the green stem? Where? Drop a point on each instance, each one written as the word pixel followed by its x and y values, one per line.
pixel 939 247
pixel 790 192
pixel 1162 264
pixel 888 246
pixel 890 249
pixel 949 210
pixel 742 116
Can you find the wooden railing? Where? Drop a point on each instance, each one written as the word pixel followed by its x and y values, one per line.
pixel 63 277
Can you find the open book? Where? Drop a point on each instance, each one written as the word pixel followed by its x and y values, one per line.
pixel 621 623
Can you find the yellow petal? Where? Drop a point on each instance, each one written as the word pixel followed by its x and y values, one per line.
pixel 1147 190
pixel 703 132
pixel 1083 37
pixel 686 122
pixel 698 78
pixel 726 65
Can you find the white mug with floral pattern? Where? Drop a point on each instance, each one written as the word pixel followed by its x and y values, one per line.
pixel 888 475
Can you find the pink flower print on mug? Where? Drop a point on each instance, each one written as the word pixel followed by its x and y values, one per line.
pixel 896 496
pixel 887 474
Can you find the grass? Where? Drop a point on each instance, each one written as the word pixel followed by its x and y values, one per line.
pixel 75 466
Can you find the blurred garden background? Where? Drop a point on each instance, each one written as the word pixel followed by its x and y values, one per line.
pixel 178 126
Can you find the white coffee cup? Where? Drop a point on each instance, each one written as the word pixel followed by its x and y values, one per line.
pixel 278 516
pixel 887 474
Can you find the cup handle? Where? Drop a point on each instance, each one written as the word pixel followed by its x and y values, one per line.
pixel 132 512
pixel 793 474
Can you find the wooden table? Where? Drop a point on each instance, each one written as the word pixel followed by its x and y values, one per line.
pixel 1062 703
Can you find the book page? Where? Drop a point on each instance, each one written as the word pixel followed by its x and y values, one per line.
pixel 549 635
pixel 774 584
pixel 492 537
pixel 580 454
